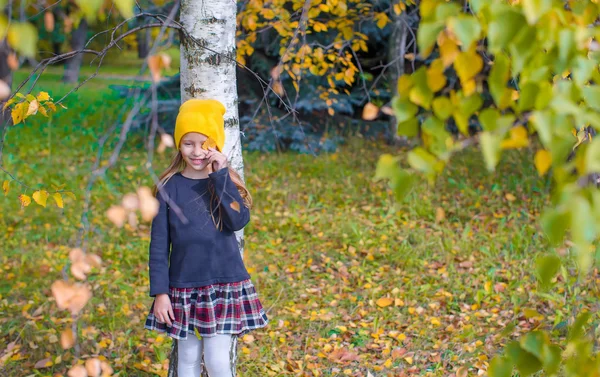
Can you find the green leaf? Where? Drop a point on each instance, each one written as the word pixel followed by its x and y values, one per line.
pixel 23 37
pixel 551 358
pixel 528 95
pixel 583 226
pixel 500 367
pixel 535 9
pixel 521 48
pixel 90 8
pixel 403 109
pixel 547 267
pixel 526 362
pixel 499 75
pixel 466 28
pixel 445 10
pixel 576 331
pixel 591 94
pixel 490 147
pixel 427 35
pixel 582 71
pixel 489 119
pixel 504 27
pixel 420 94
pixel 544 95
pixel 387 167
pixel 401 184
pixel 554 223
pixel 592 157
pixel 423 161
pixel 478 5
pixel 566 44
pixel 409 128
pixel 533 342
pixel 442 107
pixel 125 7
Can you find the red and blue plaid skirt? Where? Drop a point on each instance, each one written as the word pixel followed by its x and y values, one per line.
pixel 229 308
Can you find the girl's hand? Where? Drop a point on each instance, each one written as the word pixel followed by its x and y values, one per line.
pixel 217 159
pixel 163 311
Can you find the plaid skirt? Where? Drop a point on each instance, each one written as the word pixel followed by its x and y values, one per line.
pixel 229 308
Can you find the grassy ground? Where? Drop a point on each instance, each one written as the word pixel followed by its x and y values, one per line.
pixel 324 246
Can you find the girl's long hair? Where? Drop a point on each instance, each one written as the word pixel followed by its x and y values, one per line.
pixel 178 164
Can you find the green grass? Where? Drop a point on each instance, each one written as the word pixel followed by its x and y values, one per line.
pixel 325 243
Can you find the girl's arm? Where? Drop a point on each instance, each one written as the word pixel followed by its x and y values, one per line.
pixel 160 244
pixel 235 214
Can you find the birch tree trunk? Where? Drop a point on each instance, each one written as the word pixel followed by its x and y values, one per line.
pixel 397 50
pixel 208 71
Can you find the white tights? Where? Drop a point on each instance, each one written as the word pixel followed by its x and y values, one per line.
pixel 216 356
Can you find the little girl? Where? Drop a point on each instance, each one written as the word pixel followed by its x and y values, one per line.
pixel 203 294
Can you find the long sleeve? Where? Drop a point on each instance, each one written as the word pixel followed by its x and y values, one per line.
pixel 160 244
pixel 228 193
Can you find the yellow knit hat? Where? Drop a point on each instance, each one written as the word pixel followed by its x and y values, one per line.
pixel 204 116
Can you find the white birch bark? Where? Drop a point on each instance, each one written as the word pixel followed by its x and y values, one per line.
pixel 208 71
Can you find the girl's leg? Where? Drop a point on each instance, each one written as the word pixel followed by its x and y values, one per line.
pixel 189 358
pixel 216 355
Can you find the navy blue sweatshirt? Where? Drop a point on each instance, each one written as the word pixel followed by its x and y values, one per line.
pixel 196 254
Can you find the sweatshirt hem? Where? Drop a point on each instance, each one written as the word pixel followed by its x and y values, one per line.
pixel 203 283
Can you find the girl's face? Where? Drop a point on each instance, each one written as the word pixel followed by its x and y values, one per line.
pixel 193 153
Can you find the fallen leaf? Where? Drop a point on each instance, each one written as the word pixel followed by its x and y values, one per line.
pixel 67 339
pixel 384 301
pixel 130 202
pixel 370 111
pixel 92 366
pixel 510 197
pixel 5 187
pixel 44 363
pixel 117 214
pixel 12 61
pixel 148 203
pixel 77 371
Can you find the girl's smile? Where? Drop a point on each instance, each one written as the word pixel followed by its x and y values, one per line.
pixel 194 155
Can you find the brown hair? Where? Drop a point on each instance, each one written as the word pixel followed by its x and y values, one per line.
pixel 178 164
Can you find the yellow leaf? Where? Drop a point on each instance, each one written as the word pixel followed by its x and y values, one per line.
pixel 448 49
pixel 435 321
pixel 405 83
pixel 25 200
pixel 467 65
pixel 43 110
pixel 58 199
pixel 370 111
pixel 384 301
pixel 40 197
pixel 5 186
pixel 19 111
pixel 209 143
pixel 409 360
pixel 510 197
pixel 518 138
pixel 543 161
pixel 488 286
pixel 382 20
pixel 70 194
pixel 43 96
pixel 436 79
